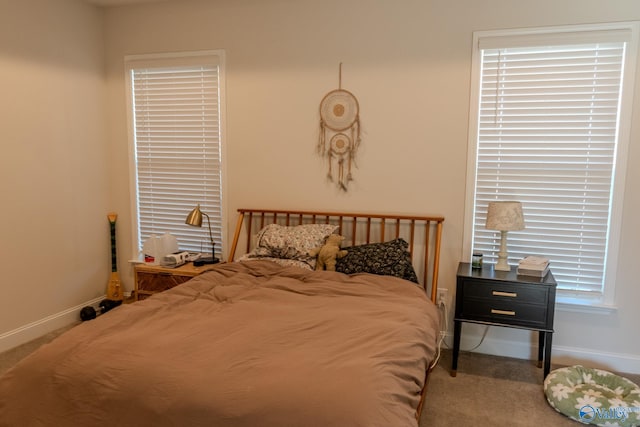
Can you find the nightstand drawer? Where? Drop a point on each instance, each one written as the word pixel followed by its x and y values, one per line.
pixel 504 312
pixel 506 291
pixel 158 282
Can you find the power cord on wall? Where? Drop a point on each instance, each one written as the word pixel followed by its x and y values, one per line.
pixel 443 332
pixel 444 316
pixel 484 334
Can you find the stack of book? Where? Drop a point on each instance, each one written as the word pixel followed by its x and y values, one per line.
pixel 535 266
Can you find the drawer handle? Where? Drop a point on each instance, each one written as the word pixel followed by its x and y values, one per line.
pixel 505 312
pixel 505 294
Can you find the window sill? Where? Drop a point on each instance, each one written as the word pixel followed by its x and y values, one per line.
pixel 584 305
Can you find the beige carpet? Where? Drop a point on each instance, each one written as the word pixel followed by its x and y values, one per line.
pixel 488 390
pixel 13 356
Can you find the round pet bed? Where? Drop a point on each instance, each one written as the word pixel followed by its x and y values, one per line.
pixel 593 396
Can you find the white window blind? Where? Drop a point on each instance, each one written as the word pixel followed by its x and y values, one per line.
pixel 548 127
pixel 176 120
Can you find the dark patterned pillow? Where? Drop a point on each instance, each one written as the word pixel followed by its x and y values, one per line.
pixel 388 259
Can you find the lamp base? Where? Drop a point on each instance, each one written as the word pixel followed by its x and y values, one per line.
pixel 503 256
pixel 502 266
pixel 204 261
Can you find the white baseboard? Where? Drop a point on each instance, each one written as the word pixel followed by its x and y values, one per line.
pixel 33 330
pixel 562 355
pixel 623 363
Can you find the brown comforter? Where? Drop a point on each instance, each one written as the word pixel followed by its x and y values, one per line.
pixel 249 344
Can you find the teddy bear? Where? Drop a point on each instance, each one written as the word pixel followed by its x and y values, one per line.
pixel 328 253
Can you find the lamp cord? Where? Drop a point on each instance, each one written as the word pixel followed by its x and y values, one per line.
pixel 213 244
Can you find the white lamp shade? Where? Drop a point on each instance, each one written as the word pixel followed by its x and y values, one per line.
pixel 505 216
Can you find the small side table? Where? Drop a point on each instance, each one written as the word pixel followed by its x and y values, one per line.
pixel 151 279
pixel 503 298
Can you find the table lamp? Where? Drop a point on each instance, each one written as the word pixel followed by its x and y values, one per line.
pixel 504 217
pixel 195 219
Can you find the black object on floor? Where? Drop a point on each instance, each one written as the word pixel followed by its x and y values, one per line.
pixel 88 312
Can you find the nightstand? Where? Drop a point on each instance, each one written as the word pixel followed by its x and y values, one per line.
pixel 502 298
pixel 151 279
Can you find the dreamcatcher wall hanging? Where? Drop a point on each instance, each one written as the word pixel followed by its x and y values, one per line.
pixel 339 133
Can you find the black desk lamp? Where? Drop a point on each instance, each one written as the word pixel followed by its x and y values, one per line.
pixel 195 219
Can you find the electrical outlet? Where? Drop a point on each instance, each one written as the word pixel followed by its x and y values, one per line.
pixel 443 296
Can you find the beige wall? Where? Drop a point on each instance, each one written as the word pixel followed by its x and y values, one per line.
pixel 53 169
pixel 408 62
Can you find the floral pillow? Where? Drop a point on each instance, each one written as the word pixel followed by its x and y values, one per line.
pixel 280 261
pixel 388 259
pixel 291 242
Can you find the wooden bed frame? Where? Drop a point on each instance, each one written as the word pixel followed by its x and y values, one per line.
pixel 423 233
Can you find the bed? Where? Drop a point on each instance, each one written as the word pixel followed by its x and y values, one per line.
pixel 256 342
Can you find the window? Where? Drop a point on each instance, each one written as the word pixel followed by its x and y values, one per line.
pixel 175 107
pixel 549 126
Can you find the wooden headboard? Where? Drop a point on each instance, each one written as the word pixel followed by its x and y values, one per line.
pixel 423 233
